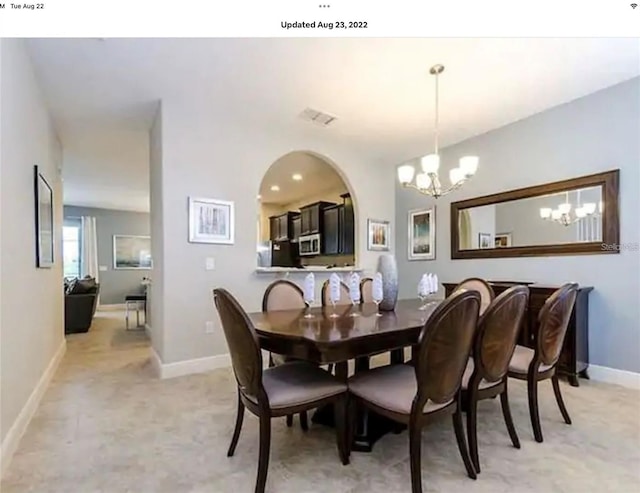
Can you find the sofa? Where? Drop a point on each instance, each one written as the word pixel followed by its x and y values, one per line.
pixel 80 303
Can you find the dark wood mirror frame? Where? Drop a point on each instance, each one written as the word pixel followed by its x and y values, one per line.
pixel 610 219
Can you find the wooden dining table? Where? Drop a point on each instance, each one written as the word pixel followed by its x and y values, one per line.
pixel 335 335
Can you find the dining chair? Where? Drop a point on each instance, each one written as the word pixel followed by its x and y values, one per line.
pixel 366 290
pixel 416 395
pixel 483 287
pixel 345 299
pixel 277 391
pixel 486 374
pixel 284 295
pixel 535 365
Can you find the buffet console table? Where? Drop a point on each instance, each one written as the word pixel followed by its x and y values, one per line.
pixel 574 358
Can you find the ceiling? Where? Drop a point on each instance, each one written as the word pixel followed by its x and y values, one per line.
pixel 318 177
pixel 103 93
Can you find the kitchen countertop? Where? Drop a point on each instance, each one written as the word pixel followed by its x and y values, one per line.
pixel 309 268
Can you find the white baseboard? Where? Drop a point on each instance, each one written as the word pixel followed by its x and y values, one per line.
pixel 181 368
pixel 612 375
pixel 112 308
pixel 12 439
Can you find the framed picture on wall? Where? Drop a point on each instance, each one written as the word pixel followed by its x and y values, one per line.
pixel 502 240
pixel 378 235
pixel 43 220
pixel 484 240
pixel 132 252
pixel 422 234
pixel 211 221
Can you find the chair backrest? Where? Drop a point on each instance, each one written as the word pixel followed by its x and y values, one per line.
pixel 344 294
pixel 497 333
pixel 486 291
pixel 246 357
pixel 553 322
pixel 283 295
pixel 366 290
pixel 444 347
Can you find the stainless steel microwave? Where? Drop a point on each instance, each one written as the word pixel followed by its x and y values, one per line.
pixel 309 245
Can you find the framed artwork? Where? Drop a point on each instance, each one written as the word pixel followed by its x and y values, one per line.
pixel 378 235
pixel 132 252
pixel 502 240
pixel 484 240
pixel 211 221
pixel 422 234
pixel 43 219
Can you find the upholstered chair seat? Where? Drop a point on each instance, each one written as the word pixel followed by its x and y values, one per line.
pixel 484 384
pixel 298 384
pixel 521 360
pixel 391 387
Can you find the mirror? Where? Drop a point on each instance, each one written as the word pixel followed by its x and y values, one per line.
pixel 573 216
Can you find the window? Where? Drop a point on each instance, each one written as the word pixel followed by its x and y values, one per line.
pixel 71 250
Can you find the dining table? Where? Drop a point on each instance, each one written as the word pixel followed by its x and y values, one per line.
pixel 335 335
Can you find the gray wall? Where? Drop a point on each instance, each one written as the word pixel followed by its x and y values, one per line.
pixel 595 133
pixel 114 284
pixel 31 302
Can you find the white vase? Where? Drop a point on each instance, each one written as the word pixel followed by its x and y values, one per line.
pixel 388 268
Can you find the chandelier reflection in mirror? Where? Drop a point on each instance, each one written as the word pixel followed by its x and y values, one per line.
pixel 563 213
pixel 428 182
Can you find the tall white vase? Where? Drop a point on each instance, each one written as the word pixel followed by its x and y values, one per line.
pixel 388 267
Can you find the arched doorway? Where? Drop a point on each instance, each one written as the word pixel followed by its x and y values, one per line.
pixel 306 214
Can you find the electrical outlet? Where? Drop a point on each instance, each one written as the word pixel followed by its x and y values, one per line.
pixel 209 328
pixel 210 263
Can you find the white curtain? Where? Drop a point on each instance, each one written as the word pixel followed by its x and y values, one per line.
pixel 89 248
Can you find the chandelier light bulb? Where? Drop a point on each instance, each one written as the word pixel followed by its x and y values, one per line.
pixel 430 163
pixel 564 208
pixel 423 181
pixel 556 214
pixel 589 207
pixel 405 174
pixel 545 212
pixel 456 175
pixel 469 165
pixel 581 212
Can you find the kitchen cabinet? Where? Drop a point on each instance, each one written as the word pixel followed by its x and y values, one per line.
pixel 347 226
pixel 331 230
pixel 281 226
pixel 296 223
pixel 312 217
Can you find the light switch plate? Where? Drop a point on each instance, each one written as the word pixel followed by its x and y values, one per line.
pixel 103 268
pixel 210 263
pixel 209 328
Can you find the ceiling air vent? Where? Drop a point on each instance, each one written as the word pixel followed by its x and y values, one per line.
pixel 317 117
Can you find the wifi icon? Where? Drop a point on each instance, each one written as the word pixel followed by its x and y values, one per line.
pixel 634 5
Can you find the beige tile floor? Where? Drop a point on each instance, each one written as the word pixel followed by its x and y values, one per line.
pixel 107 425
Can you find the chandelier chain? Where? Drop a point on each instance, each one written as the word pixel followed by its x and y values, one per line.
pixel 437 116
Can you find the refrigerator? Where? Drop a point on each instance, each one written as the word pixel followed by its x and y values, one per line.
pixel 284 254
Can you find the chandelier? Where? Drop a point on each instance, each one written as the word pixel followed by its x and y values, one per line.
pixel 428 182
pixel 562 214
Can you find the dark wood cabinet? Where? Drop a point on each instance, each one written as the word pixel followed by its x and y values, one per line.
pixel 281 227
pixel 312 217
pixel 331 230
pixel 347 226
pixel 574 358
pixel 296 224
